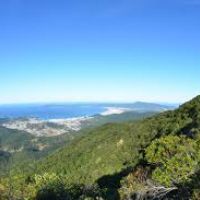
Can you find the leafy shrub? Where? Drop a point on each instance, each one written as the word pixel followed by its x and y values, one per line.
pixel 50 186
pixel 178 158
pixel 53 187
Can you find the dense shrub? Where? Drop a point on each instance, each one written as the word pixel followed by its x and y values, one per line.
pixel 178 158
pixel 53 187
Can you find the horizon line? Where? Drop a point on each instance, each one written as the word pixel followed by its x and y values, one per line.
pixel 90 102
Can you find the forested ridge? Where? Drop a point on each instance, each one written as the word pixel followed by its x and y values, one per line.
pixel 154 158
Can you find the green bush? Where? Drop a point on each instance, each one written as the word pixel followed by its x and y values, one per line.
pixel 53 187
pixel 50 186
pixel 178 159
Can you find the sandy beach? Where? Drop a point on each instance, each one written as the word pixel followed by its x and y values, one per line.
pixel 114 111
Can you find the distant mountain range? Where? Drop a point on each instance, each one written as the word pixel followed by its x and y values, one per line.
pixel 73 110
pixel 146 107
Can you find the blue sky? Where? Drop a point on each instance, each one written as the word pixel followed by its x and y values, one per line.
pixel 99 50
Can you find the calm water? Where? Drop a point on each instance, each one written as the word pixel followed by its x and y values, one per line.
pixel 51 111
pixel 64 111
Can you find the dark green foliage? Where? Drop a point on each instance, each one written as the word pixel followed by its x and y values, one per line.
pixel 113 147
pixel 169 140
pixel 102 151
pixel 14 139
pixel 24 147
pixel 53 187
pixel 124 117
pixel 73 192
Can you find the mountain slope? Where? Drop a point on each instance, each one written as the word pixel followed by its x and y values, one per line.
pixel 154 156
pixel 21 146
pixel 111 148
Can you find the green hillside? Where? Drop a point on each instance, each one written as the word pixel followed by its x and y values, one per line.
pixel 99 120
pixel 112 147
pixel 23 146
pixel 159 156
pixel 19 147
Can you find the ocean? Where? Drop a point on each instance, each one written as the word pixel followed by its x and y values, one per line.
pixel 75 110
pixel 50 111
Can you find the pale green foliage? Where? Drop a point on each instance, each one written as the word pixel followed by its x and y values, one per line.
pixel 178 158
pixel 46 178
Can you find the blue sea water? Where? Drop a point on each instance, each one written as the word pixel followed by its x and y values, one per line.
pixel 50 111
pixel 71 110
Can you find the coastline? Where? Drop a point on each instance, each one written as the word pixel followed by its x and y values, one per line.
pixel 55 127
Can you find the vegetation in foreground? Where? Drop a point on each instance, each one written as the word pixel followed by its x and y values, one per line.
pixel 156 158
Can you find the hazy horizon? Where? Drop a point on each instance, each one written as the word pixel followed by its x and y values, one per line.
pixel 89 102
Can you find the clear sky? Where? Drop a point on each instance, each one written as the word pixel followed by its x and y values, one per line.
pixel 99 50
